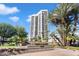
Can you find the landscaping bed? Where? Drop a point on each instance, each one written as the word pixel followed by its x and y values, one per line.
pixel 11 50
pixel 72 48
pixel 20 50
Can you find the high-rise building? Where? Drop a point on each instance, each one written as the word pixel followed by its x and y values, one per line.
pixel 39 24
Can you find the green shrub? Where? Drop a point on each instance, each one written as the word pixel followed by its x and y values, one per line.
pixel 12 44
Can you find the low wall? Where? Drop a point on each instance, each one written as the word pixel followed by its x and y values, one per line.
pixel 16 51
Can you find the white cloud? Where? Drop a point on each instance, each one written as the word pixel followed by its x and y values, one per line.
pixel 14 18
pixel 28 19
pixel 4 10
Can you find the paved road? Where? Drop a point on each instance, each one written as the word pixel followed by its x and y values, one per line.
pixel 55 52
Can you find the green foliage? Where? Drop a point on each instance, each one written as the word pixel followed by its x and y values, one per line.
pixel 72 37
pixel 13 38
pixel 7 30
pixel 12 34
pixel 39 37
pixel 65 15
pixel 72 48
pixel 21 31
pixel 34 39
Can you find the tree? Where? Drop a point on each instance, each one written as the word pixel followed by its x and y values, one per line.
pixel 21 33
pixel 14 40
pixel 56 39
pixel 6 31
pixel 39 38
pixel 63 17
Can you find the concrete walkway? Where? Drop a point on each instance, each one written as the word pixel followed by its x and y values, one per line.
pixel 55 52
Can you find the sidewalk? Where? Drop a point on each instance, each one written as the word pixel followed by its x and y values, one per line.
pixel 55 52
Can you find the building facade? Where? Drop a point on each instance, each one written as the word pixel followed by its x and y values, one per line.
pixel 39 24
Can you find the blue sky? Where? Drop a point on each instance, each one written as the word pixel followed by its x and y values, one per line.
pixel 18 14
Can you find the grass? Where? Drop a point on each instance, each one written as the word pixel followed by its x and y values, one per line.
pixel 8 46
pixel 72 48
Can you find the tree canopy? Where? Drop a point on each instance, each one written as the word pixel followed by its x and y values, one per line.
pixel 7 30
pixel 12 33
pixel 65 16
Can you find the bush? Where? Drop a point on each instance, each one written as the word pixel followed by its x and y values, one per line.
pixel 41 43
pixel 12 44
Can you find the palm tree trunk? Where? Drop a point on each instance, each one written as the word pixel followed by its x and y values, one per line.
pixel 2 40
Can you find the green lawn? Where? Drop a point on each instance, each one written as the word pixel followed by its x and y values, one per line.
pixel 72 48
pixel 8 46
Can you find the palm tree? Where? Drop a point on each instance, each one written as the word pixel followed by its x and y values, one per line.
pixel 64 16
pixel 56 39
pixel 21 33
